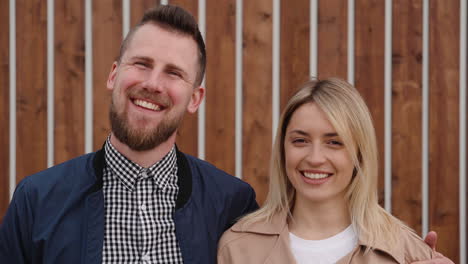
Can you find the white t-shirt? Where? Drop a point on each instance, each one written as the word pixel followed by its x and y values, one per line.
pixel 324 251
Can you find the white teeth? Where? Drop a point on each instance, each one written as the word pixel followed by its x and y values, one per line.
pixel 315 175
pixel 146 104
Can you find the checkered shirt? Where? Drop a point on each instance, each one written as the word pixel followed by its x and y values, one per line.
pixel 139 205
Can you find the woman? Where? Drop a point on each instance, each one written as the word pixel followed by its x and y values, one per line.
pixel 322 205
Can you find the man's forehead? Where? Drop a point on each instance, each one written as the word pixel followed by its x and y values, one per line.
pixel 150 38
pixel 151 31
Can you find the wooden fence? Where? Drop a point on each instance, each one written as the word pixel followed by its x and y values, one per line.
pixel 406 57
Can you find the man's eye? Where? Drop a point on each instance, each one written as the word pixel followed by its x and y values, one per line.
pixel 175 73
pixel 141 64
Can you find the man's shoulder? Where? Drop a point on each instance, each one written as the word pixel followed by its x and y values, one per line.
pixel 63 172
pixel 236 194
pixel 210 171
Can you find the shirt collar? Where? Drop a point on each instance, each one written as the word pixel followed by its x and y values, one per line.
pixel 129 172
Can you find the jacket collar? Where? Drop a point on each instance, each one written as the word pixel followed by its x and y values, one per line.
pixel 396 251
pixel 275 226
pixel 184 175
pixel 278 226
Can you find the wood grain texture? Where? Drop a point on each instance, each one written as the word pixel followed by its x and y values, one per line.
pixel 332 39
pixel 187 135
pixel 138 8
pixel 69 80
pixel 294 58
pixel 190 5
pixel 369 68
pixel 257 84
pixel 220 83
pixel 443 125
pixel 107 36
pixel 31 87
pixel 407 112
pixel 4 108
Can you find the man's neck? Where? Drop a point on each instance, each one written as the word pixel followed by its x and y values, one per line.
pixel 144 158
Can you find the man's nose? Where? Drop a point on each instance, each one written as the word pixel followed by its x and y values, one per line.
pixel 154 81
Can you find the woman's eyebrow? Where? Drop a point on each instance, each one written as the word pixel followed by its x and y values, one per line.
pixel 298 131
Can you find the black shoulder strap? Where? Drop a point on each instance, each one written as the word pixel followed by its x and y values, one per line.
pixel 184 179
pixel 99 162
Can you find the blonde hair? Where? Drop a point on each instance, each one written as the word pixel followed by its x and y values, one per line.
pixel 349 115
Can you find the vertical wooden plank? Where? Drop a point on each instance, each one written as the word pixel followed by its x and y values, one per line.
pixel 189 5
pixel 257 84
pixel 406 114
pixel 444 39
pixel 31 26
pixel 4 107
pixel 294 58
pixel 138 8
pixel 187 137
pixel 332 39
pixel 220 83
pixel 369 68
pixel 69 80
pixel 107 36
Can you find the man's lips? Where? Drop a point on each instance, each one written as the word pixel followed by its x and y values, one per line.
pixel 147 105
pixel 149 100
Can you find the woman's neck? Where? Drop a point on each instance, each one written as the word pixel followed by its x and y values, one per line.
pixel 321 220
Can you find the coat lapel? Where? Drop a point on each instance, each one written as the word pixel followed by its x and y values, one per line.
pixel 281 252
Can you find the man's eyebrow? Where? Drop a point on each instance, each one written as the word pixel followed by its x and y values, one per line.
pixel 144 58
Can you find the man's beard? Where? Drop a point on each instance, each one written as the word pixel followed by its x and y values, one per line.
pixel 141 140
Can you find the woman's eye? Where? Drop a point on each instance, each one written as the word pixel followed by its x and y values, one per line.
pixel 335 143
pixel 298 140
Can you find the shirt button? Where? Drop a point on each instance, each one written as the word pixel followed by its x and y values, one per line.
pixel 145 258
pixel 144 174
pixel 143 207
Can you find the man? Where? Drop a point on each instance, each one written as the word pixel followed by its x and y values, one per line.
pixel 138 199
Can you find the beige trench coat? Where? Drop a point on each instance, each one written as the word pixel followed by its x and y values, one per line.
pixel 269 243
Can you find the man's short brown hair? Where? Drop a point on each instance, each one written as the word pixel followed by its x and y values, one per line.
pixel 176 19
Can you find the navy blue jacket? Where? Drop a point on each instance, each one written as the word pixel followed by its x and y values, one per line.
pixel 57 215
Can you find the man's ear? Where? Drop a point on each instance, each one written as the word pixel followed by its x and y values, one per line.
pixel 196 99
pixel 112 75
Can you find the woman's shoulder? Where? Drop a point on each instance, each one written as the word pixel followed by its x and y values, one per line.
pixel 245 234
pixel 407 249
pixel 233 235
pixel 414 247
pixel 251 242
